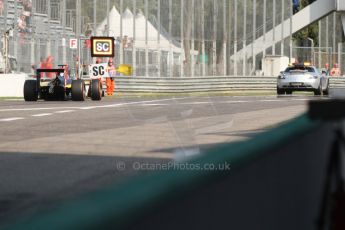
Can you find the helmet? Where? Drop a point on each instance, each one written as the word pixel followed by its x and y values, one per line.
pixel 98 61
pixel 335 65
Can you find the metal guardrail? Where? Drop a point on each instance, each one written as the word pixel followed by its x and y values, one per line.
pixel 204 84
pixel 337 82
pixel 196 84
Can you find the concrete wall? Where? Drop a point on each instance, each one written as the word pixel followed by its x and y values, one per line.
pixel 11 85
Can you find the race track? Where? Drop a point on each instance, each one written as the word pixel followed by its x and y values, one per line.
pixel 54 151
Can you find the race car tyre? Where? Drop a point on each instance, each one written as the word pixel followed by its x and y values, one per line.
pixel 280 91
pixel 95 86
pixel 318 91
pixel 78 90
pixel 30 90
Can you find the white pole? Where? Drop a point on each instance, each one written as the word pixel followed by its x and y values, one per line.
pixel 235 38
pixel 340 50
pixel 264 28
pixel 224 38
pixel 320 37
pixel 63 15
pixel 158 37
pixel 146 40
pixel 192 40
pixel 229 37
pixel 254 36
pixel 78 32
pixel 274 29
pixel 244 58
pixel 182 39
pixel 334 31
pixel 170 58
pixel 282 32
pixel 203 37
pixel 329 51
pixel 214 46
pixel 94 17
pixel 290 37
pixel 134 50
pixel 121 31
pixel 15 32
pixel 108 22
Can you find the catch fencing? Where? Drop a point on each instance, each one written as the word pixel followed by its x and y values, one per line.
pixel 163 38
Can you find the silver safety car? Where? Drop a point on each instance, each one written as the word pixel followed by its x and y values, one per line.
pixel 302 77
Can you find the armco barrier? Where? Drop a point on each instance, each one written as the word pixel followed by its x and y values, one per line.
pixel 200 84
pixel 337 82
pixel 11 85
pixel 276 181
pixel 204 84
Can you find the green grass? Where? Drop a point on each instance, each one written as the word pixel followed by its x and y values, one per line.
pixel 194 94
pixel 11 98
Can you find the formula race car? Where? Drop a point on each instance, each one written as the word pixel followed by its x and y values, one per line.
pixel 61 87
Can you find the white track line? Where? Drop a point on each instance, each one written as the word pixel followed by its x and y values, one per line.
pixel 42 115
pixel 12 119
pixel 65 111
pixel 197 103
pixel 93 107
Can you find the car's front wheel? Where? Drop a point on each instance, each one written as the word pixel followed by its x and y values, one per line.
pixel 318 91
pixel 326 91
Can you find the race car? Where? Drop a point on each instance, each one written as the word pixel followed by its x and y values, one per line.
pixel 302 77
pixel 60 87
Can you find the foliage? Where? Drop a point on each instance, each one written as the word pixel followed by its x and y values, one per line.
pixel 311 31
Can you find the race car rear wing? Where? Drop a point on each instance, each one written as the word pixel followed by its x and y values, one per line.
pixel 39 71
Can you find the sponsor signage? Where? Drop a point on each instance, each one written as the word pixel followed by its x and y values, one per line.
pixel 102 46
pixel 73 43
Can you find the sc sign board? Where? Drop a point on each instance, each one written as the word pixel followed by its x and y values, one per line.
pixel 102 46
pixel 98 70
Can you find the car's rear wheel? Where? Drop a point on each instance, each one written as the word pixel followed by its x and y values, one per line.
pixel 96 93
pixel 78 90
pixel 280 91
pixel 30 90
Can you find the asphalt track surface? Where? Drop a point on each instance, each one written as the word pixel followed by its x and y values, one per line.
pixel 56 151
